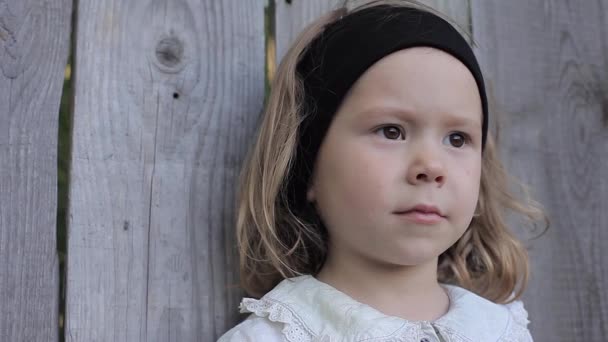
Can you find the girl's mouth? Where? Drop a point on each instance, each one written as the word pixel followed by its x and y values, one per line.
pixel 422 214
pixel 421 217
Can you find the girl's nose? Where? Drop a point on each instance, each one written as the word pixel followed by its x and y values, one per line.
pixel 426 167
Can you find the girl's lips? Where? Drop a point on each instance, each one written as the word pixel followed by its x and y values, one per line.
pixel 421 217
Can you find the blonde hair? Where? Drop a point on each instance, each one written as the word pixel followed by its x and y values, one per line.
pixel 275 243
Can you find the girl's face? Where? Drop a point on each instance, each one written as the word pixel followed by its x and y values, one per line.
pixel 408 134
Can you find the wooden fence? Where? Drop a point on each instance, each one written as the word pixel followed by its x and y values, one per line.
pixel 166 98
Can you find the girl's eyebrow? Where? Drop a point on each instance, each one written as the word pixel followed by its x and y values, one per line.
pixel 450 119
pixel 384 111
pixel 456 120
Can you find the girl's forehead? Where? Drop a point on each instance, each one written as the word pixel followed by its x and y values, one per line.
pixel 418 66
pixel 419 79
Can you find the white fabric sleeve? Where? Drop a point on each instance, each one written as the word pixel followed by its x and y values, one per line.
pixel 254 329
pixel 518 331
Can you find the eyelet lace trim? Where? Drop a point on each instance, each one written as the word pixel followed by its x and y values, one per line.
pixel 520 315
pixel 294 328
pixel 519 330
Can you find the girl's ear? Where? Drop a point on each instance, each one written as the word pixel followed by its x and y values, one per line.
pixel 310 194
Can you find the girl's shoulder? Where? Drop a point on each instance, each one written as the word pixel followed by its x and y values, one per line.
pixel 278 316
pixel 517 330
pixel 252 329
pixel 473 315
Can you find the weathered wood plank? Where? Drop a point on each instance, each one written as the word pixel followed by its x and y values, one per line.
pixel 34 47
pixel 167 95
pixel 547 62
pixel 293 16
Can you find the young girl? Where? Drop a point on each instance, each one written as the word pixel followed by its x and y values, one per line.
pixel 371 206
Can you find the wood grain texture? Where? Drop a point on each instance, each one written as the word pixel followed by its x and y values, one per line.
pixel 34 47
pixel 547 62
pixel 293 17
pixel 167 96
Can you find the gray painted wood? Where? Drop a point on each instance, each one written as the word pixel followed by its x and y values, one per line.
pixel 547 62
pixel 167 96
pixel 34 47
pixel 292 18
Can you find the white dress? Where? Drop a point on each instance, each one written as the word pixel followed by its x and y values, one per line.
pixel 305 309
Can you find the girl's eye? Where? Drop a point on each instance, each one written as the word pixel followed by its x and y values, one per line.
pixel 457 139
pixel 392 132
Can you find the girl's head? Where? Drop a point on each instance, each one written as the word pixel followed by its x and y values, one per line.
pixel 395 145
pixel 408 133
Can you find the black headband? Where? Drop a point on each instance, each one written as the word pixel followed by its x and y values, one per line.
pixel 345 50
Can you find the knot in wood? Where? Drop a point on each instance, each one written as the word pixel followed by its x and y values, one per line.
pixel 169 52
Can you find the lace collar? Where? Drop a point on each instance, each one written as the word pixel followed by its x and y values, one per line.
pixel 313 310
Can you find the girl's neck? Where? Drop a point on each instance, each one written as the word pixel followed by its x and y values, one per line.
pixel 410 292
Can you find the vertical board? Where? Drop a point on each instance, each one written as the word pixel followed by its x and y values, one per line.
pixel 34 47
pixel 167 95
pixel 548 62
pixel 294 15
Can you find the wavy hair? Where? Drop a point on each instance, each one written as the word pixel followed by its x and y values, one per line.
pixel 275 243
